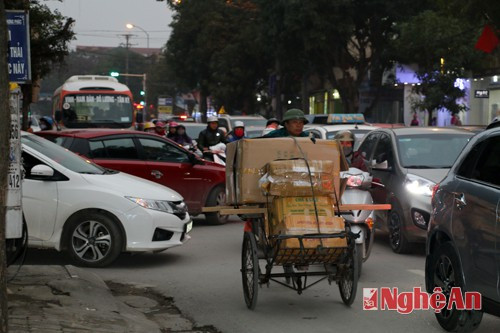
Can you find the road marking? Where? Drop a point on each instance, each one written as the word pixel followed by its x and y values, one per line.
pixel 419 272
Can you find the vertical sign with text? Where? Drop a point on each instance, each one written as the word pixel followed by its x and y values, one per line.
pixel 18 52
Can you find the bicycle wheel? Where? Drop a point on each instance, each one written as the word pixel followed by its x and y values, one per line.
pixel 250 269
pixel 348 281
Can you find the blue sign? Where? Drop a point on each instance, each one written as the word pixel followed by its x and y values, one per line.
pixel 18 52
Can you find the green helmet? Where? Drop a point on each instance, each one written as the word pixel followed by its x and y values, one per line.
pixel 294 114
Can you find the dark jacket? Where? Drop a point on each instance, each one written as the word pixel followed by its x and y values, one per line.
pixel 209 137
pixel 183 139
pixel 231 137
pixel 282 133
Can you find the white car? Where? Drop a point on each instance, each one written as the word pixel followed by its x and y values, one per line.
pixel 327 132
pixel 93 213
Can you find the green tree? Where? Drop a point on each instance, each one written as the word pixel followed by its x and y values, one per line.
pixel 50 34
pixel 441 41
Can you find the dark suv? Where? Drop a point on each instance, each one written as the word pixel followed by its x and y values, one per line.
pixel 463 241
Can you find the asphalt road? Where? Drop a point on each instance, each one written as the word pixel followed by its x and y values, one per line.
pixel 203 278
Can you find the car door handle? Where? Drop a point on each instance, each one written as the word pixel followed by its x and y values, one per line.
pixel 157 174
pixel 460 200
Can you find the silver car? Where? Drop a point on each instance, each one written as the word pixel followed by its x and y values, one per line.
pixel 408 162
pixel 464 232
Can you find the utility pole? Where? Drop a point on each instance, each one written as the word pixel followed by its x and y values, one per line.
pixel 127 46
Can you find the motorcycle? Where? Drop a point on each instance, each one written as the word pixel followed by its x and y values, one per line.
pixel 219 153
pixel 360 221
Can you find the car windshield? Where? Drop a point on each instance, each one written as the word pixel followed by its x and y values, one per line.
pixel 97 110
pixel 61 155
pixel 430 151
pixel 251 122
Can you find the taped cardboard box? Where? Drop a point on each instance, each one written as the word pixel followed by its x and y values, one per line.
pixel 246 158
pixel 283 207
pixel 294 178
pixel 306 224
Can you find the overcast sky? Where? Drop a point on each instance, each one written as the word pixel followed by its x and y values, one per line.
pixel 102 22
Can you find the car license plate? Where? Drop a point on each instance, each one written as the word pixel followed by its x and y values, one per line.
pixel 189 226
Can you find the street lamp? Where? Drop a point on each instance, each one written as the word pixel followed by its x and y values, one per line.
pixel 131 26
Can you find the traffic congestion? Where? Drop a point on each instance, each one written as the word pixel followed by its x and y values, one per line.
pixel 250 166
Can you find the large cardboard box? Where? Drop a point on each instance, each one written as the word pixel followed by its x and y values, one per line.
pixel 246 158
pixel 296 178
pixel 283 207
pixel 307 224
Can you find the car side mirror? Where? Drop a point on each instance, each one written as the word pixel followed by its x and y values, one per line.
pixel 58 115
pixel 381 166
pixel 194 159
pixel 41 172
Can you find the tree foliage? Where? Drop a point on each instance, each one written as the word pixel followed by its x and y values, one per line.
pixel 231 48
pixel 50 34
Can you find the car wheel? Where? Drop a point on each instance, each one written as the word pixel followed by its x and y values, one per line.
pixel 445 272
pixel 397 238
pixel 93 240
pixel 216 198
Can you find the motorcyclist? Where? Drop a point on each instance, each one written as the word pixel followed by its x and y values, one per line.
pixel 293 122
pixel 237 133
pixel 172 130
pixel 46 123
pixel 149 127
pixel 210 136
pixel 181 136
pixel 160 128
pixel 271 125
pixel 346 139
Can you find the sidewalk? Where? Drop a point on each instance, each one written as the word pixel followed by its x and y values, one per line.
pixel 68 299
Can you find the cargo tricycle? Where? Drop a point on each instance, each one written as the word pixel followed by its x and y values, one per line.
pixel 302 266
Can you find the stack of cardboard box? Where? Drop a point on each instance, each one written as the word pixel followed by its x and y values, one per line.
pixel 287 190
pixel 296 211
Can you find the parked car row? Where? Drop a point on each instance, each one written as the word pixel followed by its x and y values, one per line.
pixel 151 157
pixel 93 213
pixel 444 188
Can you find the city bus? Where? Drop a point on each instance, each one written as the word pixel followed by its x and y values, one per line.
pixel 93 101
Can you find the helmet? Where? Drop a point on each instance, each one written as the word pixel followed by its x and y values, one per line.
pixel 160 124
pixel 212 119
pixel 48 120
pixel 346 136
pixel 149 125
pixel 293 114
pixel 239 123
pixel 172 124
pixel 272 120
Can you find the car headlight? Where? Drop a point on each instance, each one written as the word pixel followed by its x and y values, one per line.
pixel 161 205
pixel 418 185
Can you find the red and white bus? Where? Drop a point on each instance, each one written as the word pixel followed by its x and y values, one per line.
pixel 93 101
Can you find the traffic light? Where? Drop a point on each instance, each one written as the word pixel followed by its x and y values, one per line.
pixel 143 93
pixel 114 74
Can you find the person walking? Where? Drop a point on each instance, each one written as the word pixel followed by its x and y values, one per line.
pixel 415 121
pixel 293 125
